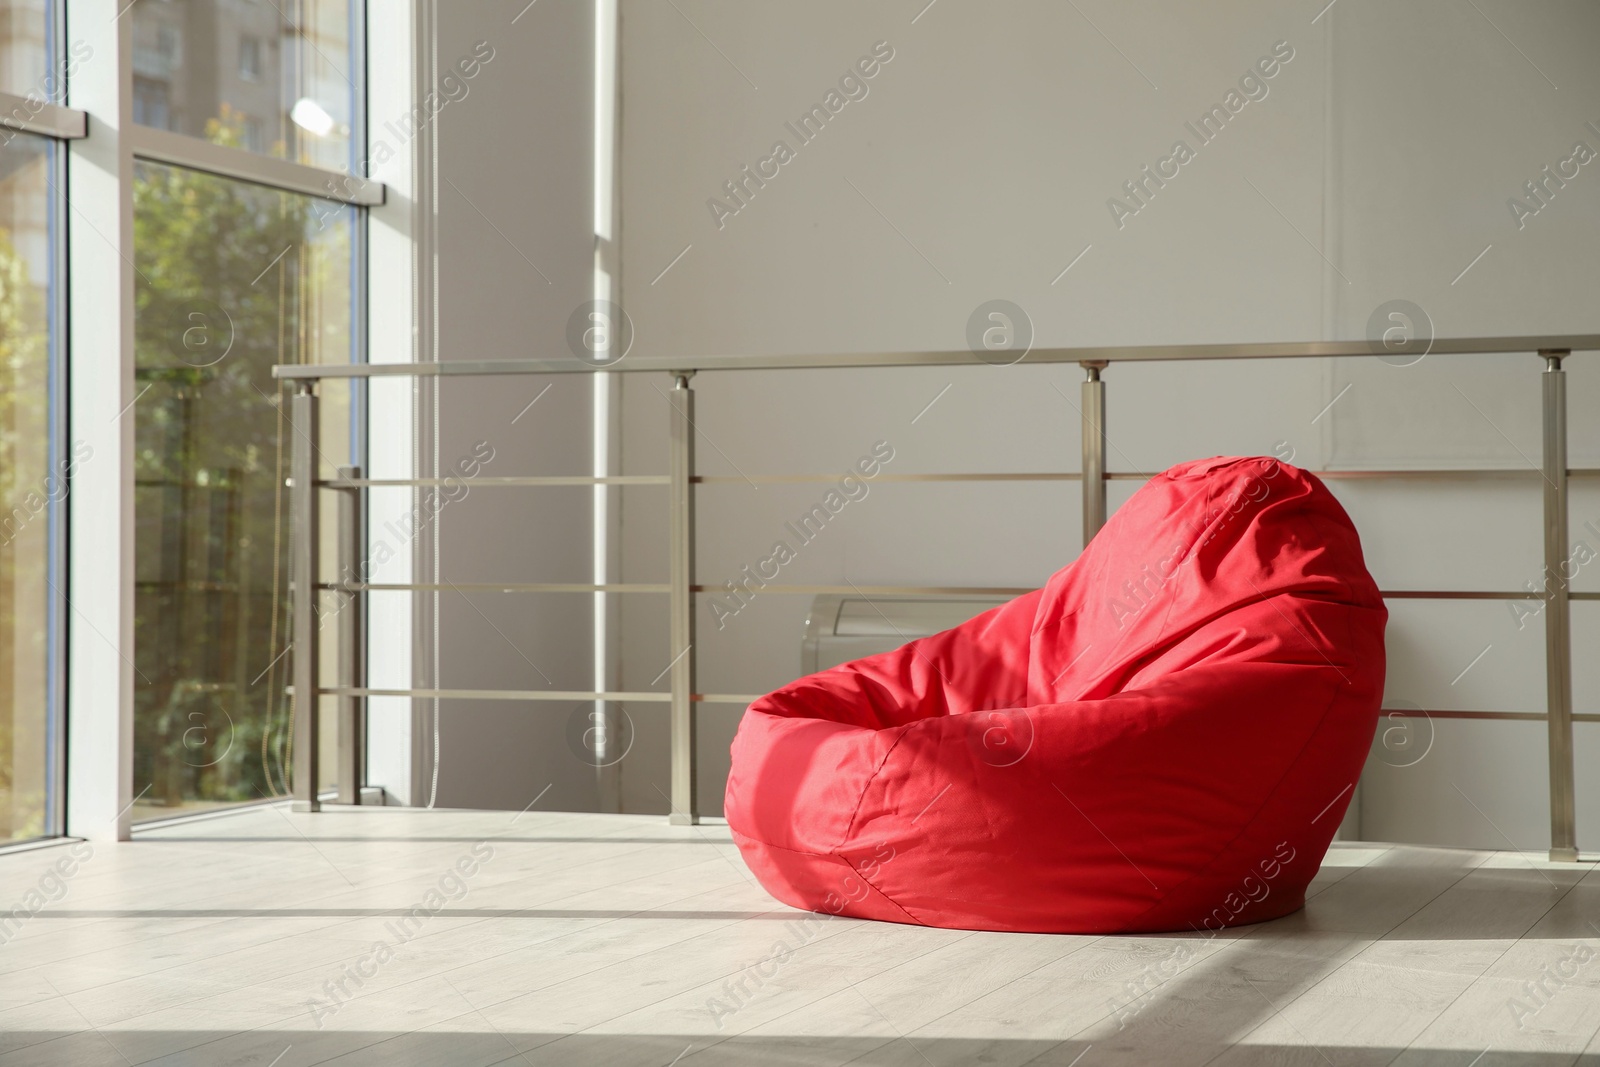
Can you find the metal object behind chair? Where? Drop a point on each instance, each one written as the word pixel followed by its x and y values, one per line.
pixel 842 628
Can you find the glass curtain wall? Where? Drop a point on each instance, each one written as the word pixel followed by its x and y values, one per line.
pixel 231 278
pixel 280 76
pixel 33 469
pixel 30 488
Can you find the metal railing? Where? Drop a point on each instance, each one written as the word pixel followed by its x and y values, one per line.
pixel 681 588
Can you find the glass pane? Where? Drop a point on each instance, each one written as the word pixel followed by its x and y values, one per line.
pixel 232 278
pixel 29 487
pixel 26 45
pixel 273 77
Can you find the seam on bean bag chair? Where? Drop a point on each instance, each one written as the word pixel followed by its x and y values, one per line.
pixel 845 888
pixel 1244 831
pixel 855 810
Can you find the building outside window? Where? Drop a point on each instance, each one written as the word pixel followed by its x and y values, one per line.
pixel 294 65
pixel 152 102
pixel 250 58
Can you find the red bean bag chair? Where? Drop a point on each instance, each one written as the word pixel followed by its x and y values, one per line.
pixel 1164 737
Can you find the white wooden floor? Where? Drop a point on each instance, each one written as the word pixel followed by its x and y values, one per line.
pixel 591 939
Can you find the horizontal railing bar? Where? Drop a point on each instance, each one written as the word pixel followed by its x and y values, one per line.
pixel 532 480
pixel 494 694
pixel 1443 346
pixel 535 694
pixel 1456 472
pixel 748 698
pixel 887 590
pixel 864 590
pixel 1001 590
pixel 1454 594
pixel 494 587
pixel 791 479
pixel 1503 716
pixel 959 476
pixel 1434 473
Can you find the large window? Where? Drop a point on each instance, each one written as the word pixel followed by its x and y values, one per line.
pixel 31 486
pixel 33 466
pixel 231 278
pixel 247 252
pixel 27 35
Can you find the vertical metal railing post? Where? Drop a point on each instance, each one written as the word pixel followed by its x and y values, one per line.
pixel 350 671
pixel 1094 450
pixel 685 811
pixel 303 569
pixel 1557 613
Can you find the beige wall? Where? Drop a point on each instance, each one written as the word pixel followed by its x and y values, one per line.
pixel 978 166
pixel 510 199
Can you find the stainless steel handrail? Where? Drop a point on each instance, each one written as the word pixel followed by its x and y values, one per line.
pixel 524 482
pixel 873 590
pixel 1442 346
pixel 487 482
pixel 646 696
pixel 681 587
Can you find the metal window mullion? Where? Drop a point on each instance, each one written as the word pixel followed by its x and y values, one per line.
pixel 59 450
pixel 59 446
pixel 100 645
pixel 32 115
pixel 164 146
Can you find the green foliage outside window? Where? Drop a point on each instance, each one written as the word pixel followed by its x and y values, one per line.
pixel 232 278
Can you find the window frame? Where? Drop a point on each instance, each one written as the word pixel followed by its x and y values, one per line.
pixel 55 818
